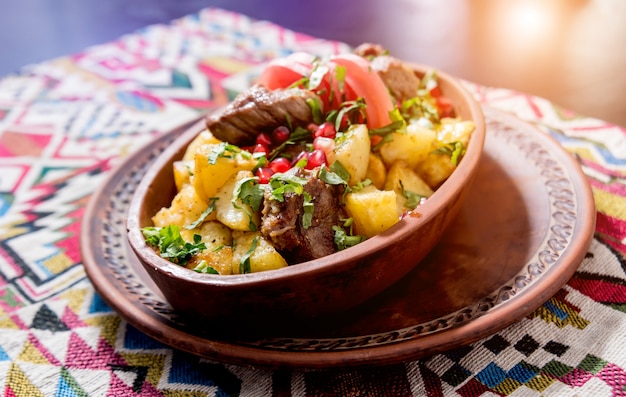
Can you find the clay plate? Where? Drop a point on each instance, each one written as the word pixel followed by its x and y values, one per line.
pixel 523 230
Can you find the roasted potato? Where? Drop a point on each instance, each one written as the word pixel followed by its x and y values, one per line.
pixel 353 152
pixel 373 211
pixel 407 184
pixel 230 210
pixel 411 146
pixel 252 253
pixel 214 164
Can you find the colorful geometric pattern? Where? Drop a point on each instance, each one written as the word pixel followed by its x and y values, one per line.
pixel 66 123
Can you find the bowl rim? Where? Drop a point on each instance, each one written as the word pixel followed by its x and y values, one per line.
pixel 330 263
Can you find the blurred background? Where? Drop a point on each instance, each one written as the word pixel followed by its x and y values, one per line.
pixel 572 52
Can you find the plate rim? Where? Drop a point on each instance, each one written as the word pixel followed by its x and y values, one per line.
pixel 159 328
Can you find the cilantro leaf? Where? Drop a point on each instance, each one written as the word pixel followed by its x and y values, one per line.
pixel 244 264
pixel 203 267
pixel 283 183
pixel 343 240
pixel 308 206
pixel 249 192
pixel 337 174
pixel 203 215
pixel 171 245
pixel 456 150
pixel 225 150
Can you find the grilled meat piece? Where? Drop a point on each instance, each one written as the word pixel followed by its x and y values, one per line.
pixel 282 222
pixel 260 110
pixel 399 78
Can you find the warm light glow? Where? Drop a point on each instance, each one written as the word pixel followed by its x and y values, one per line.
pixel 532 18
pixel 523 26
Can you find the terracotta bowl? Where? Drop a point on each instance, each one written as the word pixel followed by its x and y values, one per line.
pixel 319 287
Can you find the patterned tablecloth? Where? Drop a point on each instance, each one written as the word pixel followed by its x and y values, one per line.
pixel 64 124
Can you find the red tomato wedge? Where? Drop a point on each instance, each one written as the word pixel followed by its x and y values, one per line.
pixel 283 72
pixel 367 84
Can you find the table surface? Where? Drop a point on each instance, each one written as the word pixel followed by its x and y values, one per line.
pixel 568 51
pixel 70 119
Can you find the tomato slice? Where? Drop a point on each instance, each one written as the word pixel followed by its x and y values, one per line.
pixel 283 72
pixel 367 84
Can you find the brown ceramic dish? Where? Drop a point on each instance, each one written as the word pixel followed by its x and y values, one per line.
pixel 521 233
pixel 328 285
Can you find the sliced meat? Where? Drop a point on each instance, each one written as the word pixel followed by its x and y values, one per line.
pixel 259 110
pixel 282 222
pixel 399 78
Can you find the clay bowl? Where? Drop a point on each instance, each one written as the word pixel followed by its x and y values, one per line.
pixel 329 285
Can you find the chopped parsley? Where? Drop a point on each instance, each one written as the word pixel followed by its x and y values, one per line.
pixel 308 206
pixel 455 150
pixel 204 214
pixel 249 192
pixel 203 267
pixel 284 183
pixel 412 199
pixel 345 239
pixel 244 264
pixel 225 150
pixel 337 174
pixel 171 245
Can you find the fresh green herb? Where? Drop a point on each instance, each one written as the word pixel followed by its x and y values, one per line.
pixel 420 107
pixel 244 264
pixel 455 150
pixel 344 240
pixel 171 245
pixel 359 186
pixel 336 174
pixel 316 109
pixel 248 191
pixel 317 76
pixel 204 214
pixel 301 163
pixel 225 150
pixel 283 183
pixel 298 135
pixel 346 109
pixel 203 267
pixel 412 199
pixel 308 207
pixel 388 129
pixel 261 161
pixel 428 82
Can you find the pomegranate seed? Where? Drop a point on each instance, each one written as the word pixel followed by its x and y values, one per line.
pixel 260 148
pixel 302 155
pixel 327 145
pixel 316 159
pixel 264 139
pixel 312 127
pixel 280 134
pixel 326 130
pixel 264 174
pixel 280 164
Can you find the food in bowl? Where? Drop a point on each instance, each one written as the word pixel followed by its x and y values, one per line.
pixel 318 156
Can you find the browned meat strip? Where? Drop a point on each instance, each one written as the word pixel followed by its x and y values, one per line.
pixel 399 78
pixel 259 110
pixel 282 222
